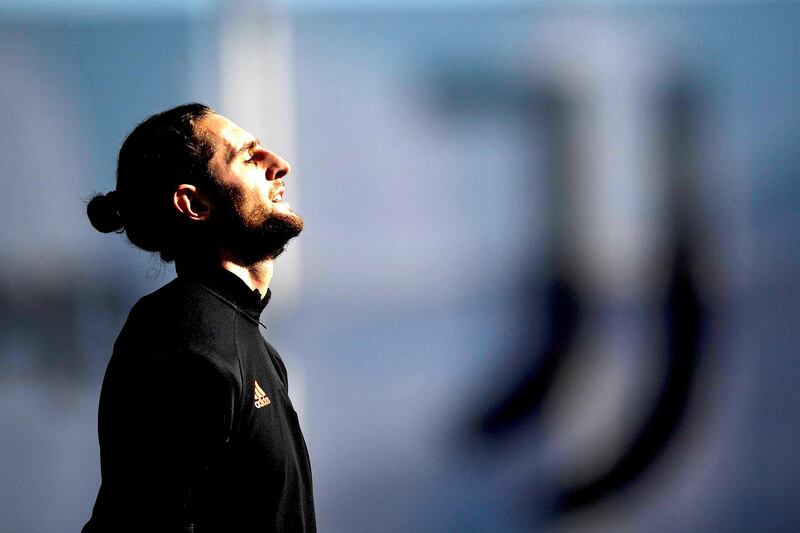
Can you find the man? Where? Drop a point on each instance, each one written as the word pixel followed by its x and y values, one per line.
pixel 197 432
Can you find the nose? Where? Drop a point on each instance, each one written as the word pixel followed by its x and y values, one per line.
pixel 278 168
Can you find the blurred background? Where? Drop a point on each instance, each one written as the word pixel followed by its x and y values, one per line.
pixel 549 276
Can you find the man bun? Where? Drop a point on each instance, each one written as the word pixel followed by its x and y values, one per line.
pixel 167 149
pixel 103 213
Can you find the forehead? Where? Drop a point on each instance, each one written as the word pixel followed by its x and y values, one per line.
pixel 226 134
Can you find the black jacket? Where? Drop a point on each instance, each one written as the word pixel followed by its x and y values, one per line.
pixel 196 429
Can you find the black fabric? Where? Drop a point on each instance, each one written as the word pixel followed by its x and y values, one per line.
pixel 186 441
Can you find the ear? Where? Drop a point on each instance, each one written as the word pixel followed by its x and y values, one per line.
pixel 189 202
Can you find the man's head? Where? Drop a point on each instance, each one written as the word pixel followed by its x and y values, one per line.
pixel 190 182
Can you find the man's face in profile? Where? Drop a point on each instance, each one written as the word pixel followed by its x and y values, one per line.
pixel 249 215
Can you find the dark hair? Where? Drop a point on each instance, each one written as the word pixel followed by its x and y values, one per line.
pixel 162 152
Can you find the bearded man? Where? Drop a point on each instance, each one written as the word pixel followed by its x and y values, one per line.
pixel 197 432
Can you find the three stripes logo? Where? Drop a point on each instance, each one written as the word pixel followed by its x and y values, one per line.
pixel 261 397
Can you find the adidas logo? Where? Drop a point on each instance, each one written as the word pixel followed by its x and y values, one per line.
pixel 261 397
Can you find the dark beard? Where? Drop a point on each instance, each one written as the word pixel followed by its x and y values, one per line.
pixel 253 236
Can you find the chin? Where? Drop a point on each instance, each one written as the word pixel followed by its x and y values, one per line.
pixel 292 220
pixel 283 208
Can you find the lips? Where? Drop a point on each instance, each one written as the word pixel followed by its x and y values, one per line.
pixel 277 196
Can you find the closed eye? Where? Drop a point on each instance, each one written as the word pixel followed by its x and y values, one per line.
pixel 247 149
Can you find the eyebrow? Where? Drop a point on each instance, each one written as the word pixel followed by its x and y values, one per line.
pixel 246 148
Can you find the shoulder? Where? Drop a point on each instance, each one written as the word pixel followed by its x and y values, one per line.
pixel 182 310
pixel 181 324
pixel 181 302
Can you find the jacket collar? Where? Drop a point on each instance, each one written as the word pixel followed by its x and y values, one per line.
pixel 228 286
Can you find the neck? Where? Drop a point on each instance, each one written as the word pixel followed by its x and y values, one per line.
pixel 256 276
